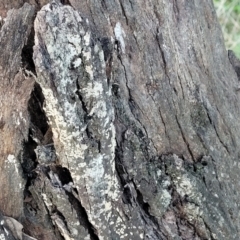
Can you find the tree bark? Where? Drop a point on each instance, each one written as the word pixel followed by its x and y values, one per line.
pixel 119 120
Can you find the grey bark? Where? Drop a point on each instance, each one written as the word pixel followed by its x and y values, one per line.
pixel 119 120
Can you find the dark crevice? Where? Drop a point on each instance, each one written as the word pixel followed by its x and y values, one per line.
pixel 65 177
pixel 124 12
pixel 99 146
pixel 38 127
pixel 28 158
pixel 55 212
pixel 118 159
pixel 118 48
pixel 104 5
pixel 27 53
pixel 50 220
pixel 120 168
pixel 127 196
pixel 145 208
pixel 144 205
pixel 84 106
pixel 202 141
pixel 131 4
pixel 208 229
pixel 1 23
pixel 82 215
pixel 37 115
pixel 63 174
pixel 220 140
pixel 38 121
pixel 107 48
pixel 65 2
pixel 35 109
pixel 122 174
pixel 204 181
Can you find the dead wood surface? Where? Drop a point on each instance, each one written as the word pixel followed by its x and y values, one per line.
pixel 119 119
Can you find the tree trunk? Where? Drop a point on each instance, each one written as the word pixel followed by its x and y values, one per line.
pixel 119 120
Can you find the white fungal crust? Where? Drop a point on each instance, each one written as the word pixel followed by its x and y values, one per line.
pixel 71 72
pixel 120 35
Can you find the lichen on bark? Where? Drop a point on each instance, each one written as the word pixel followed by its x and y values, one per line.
pixel 79 111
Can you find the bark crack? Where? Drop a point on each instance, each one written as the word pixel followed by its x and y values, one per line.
pixel 159 40
pixel 164 124
pixel 208 229
pixel 180 81
pixel 135 38
pixel 185 140
pixel 176 9
pixel 84 105
pixel 230 133
pixel 216 131
pixel 123 11
pixel 130 98
pixel 82 215
pixel 144 206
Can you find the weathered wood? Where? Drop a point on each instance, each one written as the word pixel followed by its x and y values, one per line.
pixel 127 121
pixel 15 90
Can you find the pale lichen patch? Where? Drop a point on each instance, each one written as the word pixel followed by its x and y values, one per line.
pixel 92 169
pixel 12 161
pixel 120 35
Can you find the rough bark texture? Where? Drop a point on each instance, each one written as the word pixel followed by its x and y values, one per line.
pixel 119 120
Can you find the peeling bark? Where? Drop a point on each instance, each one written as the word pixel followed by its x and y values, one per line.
pixel 119 120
